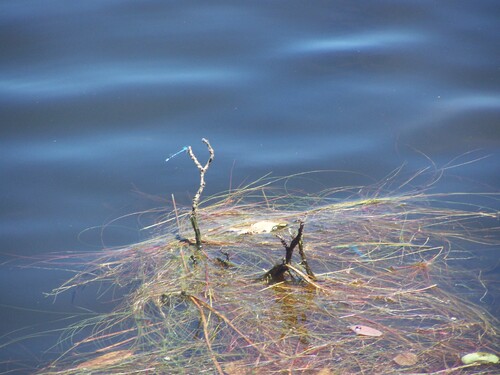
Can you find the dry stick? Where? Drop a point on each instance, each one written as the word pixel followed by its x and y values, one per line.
pixel 196 199
pixel 276 273
pixel 293 244
pixel 207 338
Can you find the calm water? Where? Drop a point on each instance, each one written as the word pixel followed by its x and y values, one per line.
pixel 95 94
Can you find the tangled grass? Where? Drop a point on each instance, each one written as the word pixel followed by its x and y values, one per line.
pixel 384 258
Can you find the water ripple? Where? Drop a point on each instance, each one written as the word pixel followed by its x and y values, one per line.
pixel 79 80
pixel 357 42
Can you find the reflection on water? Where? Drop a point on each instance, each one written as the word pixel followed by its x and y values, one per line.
pixel 94 96
pixel 356 43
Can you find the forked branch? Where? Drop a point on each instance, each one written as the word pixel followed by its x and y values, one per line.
pixel 276 274
pixel 203 169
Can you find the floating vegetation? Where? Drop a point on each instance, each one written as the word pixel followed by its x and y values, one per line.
pixel 480 358
pixel 365 331
pixel 377 294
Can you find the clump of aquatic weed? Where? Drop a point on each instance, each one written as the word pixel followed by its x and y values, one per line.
pixel 379 259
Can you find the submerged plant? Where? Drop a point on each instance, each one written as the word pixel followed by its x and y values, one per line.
pixel 391 306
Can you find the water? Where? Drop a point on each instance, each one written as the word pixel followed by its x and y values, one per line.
pixel 94 96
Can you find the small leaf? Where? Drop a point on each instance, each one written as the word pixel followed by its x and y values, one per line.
pixel 480 357
pixel 365 331
pixel 405 359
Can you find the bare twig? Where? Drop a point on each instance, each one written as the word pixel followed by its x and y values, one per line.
pixel 275 274
pixel 196 199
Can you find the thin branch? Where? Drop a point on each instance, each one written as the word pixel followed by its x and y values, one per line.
pixel 203 169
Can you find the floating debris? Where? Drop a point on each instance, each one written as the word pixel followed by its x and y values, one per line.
pixel 405 359
pixel 480 358
pixel 366 331
pixel 264 226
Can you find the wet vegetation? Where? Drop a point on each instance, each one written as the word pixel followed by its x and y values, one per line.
pixel 359 280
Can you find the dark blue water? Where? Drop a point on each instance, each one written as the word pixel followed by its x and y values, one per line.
pixel 94 95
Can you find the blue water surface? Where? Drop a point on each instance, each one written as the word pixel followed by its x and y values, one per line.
pixel 95 95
